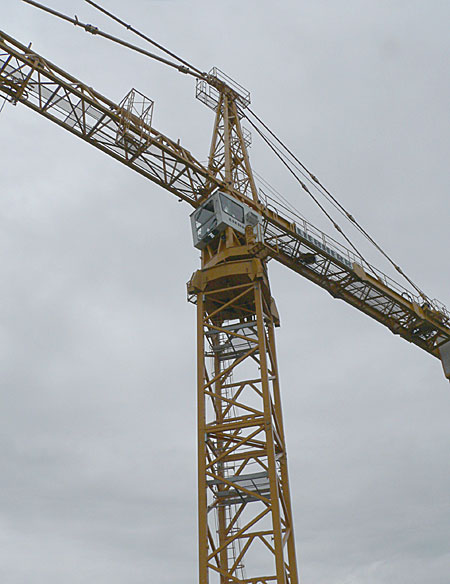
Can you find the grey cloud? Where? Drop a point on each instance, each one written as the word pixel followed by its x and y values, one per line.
pixel 97 379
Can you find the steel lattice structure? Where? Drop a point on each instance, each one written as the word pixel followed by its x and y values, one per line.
pixel 28 78
pixel 243 481
pixel 245 519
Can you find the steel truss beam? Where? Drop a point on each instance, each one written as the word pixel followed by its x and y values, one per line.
pixel 365 288
pixel 28 78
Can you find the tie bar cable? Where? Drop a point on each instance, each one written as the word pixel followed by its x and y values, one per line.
pixel 189 69
pixel 204 75
pixel 146 38
pixel 96 31
pixel 344 211
pixel 306 189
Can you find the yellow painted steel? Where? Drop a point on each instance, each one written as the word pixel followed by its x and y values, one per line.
pixel 245 519
pixel 28 78
pixel 245 529
pixel 246 532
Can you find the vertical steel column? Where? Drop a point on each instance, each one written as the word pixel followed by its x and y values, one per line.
pixel 245 521
pixel 245 517
pixel 201 458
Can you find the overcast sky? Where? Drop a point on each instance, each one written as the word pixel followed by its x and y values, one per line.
pixel 97 381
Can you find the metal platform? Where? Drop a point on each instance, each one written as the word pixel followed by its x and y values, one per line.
pixel 257 483
pixel 210 95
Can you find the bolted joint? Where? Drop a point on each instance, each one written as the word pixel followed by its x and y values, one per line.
pixel 90 28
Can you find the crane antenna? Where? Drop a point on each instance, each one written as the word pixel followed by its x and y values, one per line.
pixel 96 31
pixel 145 37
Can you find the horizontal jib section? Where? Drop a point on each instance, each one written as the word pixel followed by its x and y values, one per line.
pixel 333 253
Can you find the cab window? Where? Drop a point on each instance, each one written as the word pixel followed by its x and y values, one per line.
pixel 232 208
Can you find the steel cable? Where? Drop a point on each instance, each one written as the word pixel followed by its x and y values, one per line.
pixel 146 38
pixel 187 67
pixel 306 189
pixel 333 201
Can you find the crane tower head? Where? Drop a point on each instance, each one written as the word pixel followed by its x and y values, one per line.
pixel 215 83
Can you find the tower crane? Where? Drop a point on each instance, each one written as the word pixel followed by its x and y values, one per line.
pixel 245 526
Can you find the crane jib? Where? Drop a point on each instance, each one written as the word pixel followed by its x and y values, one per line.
pixel 28 78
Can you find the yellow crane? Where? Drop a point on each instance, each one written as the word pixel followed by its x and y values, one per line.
pixel 246 532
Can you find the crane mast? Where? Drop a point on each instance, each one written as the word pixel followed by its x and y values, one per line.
pixel 245 521
pixel 245 518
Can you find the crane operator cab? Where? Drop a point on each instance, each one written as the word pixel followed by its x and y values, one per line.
pixel 219 211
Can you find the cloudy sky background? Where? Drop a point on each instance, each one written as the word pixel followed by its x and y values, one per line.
pixel 97 378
